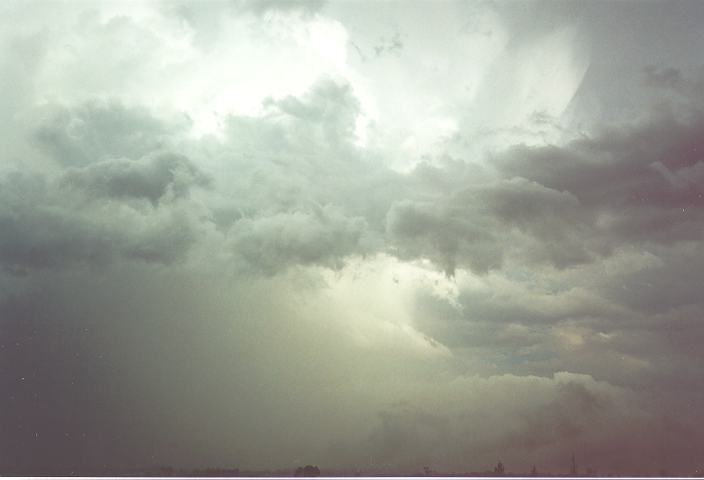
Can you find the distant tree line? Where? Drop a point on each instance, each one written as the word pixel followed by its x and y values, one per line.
pixel 217 472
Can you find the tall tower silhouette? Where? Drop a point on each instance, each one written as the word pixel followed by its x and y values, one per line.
pixel 573 467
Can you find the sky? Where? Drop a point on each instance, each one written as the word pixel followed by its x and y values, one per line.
pixel 371 236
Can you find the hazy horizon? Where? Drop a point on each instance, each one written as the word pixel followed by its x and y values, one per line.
pixel 266 234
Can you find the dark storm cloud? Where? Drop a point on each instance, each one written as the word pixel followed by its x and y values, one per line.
pixel 99 130
pixel 322 237
pixel 44 228
pixel 477 226
pixel 449 234
pixel 637 184
pixel 272 292
pixel 641 183
pixel 560 205
pixel 671 282
pixel 296 191
pixel 56 238
pixel 618 213
pixel 284 210
pixel 105 153
pixel 151 178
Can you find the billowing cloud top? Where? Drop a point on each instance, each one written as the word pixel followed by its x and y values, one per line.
pixel 369 236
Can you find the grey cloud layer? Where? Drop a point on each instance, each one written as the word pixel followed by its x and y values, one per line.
pixel 174 298
pixel 96 131
pixel 295 191
pixel 161 176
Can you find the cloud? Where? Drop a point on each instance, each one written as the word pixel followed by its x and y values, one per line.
pixel 523 420
pixel 324 116
pixel 153 179
pixel 321 237
pixel 477 226
pixel 44 228
pixel 97 130
pixel 221 238
pixel 446 233
pixel 307 7
pixel 630 180
pixel 390 46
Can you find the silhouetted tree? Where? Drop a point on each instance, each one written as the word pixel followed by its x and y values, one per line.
pixel 499 468
pixel 307 471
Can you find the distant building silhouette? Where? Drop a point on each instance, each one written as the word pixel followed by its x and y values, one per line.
pixel 573 466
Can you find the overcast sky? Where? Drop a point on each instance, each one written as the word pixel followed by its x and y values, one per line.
pixel 361 235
